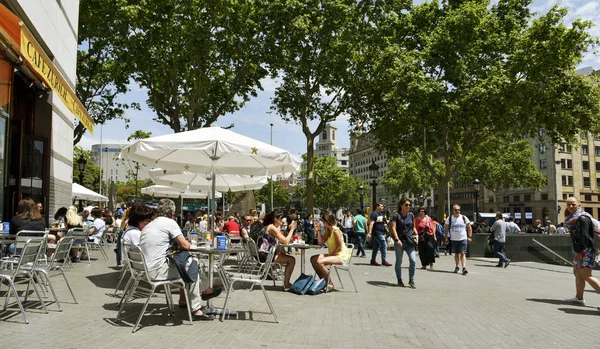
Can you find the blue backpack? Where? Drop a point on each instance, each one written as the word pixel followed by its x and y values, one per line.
pixel 439 230
pixel 302 284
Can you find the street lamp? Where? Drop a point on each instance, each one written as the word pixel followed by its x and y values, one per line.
pixel 81 162
pixel 476 186
pixel 374 174
pixel 362 195
pixel 272 176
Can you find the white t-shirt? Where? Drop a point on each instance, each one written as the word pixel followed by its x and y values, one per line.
pixel 458 230
pixel 132 236
pixel 100 226
pixel 155 241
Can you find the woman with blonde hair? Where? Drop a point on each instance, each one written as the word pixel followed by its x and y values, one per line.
pixel 338 253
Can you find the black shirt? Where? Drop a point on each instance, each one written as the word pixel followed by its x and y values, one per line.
pixel 17 224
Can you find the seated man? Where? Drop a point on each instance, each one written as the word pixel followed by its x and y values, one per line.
pixel 232 228
pixel 245 227
pixel 155 241
pixel 139 216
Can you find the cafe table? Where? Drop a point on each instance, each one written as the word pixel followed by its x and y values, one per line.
pixel 211 253
pixel 302 248
pixel 6 239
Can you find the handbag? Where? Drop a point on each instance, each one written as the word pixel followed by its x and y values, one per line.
pixel 404 235
pixel 179 258
pixel 302 284
pixel 317 286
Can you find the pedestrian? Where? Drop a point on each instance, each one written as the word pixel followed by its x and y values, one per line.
pixel 348 224
pixel 405 240
pixel 513 228
pixel 439 235
pixel 360 224
pixel 500 229
pixel 309 227
pixel 377 231
pixel 426 238
pixel 579 224
pixel 460 234
pixel 550 228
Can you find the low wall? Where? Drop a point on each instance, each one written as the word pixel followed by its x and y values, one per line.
pixel 521 248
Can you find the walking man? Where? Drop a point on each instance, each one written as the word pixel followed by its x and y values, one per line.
pixel 348 224
pixel 459 227
pixel 499 229
pixel 377 231
pixel 360 223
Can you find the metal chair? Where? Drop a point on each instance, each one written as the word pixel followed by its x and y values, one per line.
pixel 93 245
pixel 344 267
pixel 24 270
pixel 21 239
pixel 255 278
pixel 124 270
pixel 137 265
pixel 57 262
pixel 80 237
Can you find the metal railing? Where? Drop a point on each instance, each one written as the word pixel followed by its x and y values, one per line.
pixel 552 252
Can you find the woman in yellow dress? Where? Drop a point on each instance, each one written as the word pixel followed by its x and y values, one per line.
pixel 338 252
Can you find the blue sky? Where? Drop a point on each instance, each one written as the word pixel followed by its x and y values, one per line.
pixel 254 118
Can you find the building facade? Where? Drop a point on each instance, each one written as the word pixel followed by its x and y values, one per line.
pixel 106 156
pixel 38 106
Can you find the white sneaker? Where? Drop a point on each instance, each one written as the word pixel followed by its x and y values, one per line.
pixel 575 300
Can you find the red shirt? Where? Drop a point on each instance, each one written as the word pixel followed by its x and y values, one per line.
pixel 231 227
pixel 424 226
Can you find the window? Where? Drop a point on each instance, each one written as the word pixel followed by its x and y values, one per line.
pixel 598 166
pixel 333 135
pixel 587 197
pixel 491 199
pixel 566 163
pixel 565 148
pixel 505 199
pixel 584 149
pixel 598 184
pixel 596 150
pixel 516 198
pixel 586 181
pixel 344 162
pixel 585 165
pixel 565 196
pixel 544 197
pixel 567 181
pixel 541 133
pixel 324 135
pixel 542 148
pixel 526 197
pixel 542 163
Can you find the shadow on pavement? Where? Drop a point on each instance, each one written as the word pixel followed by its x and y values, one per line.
pixel 551 301
pixel 440 271
pixel 580 311
pixel 487 265
pixel 107 280
pixel 382 284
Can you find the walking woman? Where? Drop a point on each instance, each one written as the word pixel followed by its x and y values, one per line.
pixel 405 240
pixel 426 230
pixel 582 232
pixel 271 235
pixel 337 252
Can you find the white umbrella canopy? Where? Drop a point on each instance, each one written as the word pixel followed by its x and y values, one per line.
pixel 170 192
pixel 196 181
pixel 211 150
pixel 82 193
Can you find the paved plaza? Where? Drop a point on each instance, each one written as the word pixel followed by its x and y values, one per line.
pixel 520 306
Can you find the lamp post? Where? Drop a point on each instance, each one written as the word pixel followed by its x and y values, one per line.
pixel 476 186
pixel 272 176
pixel 361 193
pixel 374 174
pixel 81 162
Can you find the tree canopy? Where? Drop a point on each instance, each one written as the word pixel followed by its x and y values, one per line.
pixel 445 76
pixel 281 197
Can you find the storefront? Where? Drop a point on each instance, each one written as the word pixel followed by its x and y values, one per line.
pixel 38 109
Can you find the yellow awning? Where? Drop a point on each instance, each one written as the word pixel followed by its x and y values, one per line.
pixel 16 35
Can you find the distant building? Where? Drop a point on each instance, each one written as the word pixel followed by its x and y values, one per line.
pixel 113 168
pixel 327 145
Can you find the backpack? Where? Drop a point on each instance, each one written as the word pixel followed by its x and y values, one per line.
pixel 596 227
pixel 439 230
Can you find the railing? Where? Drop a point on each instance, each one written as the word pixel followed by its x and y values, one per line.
pixel 552 252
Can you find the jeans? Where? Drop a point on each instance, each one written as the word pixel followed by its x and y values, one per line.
pixel 360 237
pixel 379 243
pixel 348 232
pixel 412 259
pixel 498 249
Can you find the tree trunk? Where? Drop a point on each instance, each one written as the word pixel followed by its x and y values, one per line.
pixel 441 190
pixel 310 175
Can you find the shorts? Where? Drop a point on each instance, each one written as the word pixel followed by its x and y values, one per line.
pixel 459 246
pixel 587 260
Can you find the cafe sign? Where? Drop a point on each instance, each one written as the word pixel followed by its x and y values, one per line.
pixel 41 63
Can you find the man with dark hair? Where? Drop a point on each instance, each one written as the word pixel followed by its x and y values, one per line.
pixel 139 216
pixel 360 224
pixel 377 230
pixel 155 242
pixel 499 229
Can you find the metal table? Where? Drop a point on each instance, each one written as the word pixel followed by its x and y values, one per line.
pixel 211 252
pixel 302 248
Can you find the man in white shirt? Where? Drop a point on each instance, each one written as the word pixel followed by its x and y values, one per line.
pixel 348 224
pixel 155 242
pixel 139 216
pixel 550 228
pixel 459 227
pixel 513 228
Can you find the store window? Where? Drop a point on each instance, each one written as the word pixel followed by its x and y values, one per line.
pixel 6 80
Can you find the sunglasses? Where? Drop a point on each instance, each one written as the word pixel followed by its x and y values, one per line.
pixel 455 210
pixel 409 205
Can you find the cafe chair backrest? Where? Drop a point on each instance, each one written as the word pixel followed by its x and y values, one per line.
pixel 61 253
pixel 25 235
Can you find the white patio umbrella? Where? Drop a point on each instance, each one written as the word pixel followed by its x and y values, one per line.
pixel 82 193
pixel 211 150
pixel 171 192
pixel 196 181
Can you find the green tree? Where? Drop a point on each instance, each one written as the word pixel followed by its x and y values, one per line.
pixel 91 175
pixel 446 76
pixel 407 176
pixel 310 45
pixel 198 59
pixel 102 71
pixel 504 166
pixel 281 197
